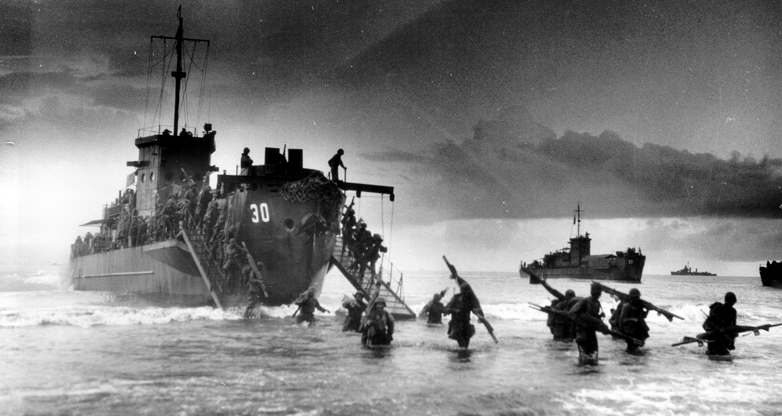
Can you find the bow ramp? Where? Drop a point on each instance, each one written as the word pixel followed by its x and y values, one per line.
pixel 370 282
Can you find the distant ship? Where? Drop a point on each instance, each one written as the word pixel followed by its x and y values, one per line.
pixel 577 262
pixel 264 235
pixel 687 271
pixel 771 274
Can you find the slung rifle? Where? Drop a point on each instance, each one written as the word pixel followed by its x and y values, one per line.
pixel 593 323
pixel 737 329
pixel 648 305
pixel 481 318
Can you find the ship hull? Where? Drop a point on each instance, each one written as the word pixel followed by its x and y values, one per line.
pixel 586 273
pixel 771 275
pixel 628 268
pixel 692 274
pixel 280 233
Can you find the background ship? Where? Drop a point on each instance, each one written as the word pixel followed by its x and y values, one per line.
pixel 577 262
pixel 687 271
pixel 262 236
pixel 771 274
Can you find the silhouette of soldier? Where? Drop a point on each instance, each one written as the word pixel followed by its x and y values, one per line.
pixel 334 163
pixel 246 163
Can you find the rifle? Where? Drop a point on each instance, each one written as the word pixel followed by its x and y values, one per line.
pixel 480 316
pixel 737 329
pixel 625 297
pixel 254 267
pixel 690 340
pixel 533 277
pixel 593 324
pixel 365 318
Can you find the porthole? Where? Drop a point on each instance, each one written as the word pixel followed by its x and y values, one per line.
pixel 143 176
pixel 151 176
pixel 289 224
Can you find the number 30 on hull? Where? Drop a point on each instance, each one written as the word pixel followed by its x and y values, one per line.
pixel 260 212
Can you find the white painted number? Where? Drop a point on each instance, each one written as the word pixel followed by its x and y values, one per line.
pixel 264 211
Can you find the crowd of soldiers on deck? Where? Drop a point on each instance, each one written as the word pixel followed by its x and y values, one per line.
pixel 130 229
pixel 364 246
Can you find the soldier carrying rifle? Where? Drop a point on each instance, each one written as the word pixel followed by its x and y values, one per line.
pixel 721 327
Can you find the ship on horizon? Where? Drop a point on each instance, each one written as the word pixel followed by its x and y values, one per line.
pixel 771 274
pixel 577 262
pixel 687 271
pixel 262 236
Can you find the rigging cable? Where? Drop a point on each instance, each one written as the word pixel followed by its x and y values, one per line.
pixel 203 85
pixel 185 102
pixel 149 81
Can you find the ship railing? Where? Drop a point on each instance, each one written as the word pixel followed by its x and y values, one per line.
pixel 160 128
pixel 395 283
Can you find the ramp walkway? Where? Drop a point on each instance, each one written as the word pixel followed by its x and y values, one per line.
pixel 368 284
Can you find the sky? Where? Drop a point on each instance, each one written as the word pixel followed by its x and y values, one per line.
pixel 492 120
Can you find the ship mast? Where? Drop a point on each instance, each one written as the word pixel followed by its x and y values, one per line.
pixel 578 215
pixel 179 74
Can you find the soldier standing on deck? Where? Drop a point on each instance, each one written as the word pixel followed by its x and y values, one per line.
pixel 245 163
pixel 334 163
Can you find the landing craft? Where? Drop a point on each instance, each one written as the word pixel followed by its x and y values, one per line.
pixel 578 262
pixel 264 235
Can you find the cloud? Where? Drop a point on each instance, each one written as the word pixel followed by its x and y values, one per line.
pixel 514 168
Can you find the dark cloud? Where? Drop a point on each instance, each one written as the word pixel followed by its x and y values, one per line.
pixel 505 172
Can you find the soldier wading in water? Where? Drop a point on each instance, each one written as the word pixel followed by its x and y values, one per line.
pixel 587 313
pixel 459 307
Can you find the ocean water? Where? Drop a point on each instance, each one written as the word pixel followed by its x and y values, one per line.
pixel 89 353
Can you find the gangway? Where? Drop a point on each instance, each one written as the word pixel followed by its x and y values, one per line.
pixel 367 284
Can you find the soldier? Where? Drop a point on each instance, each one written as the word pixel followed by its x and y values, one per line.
pixel 210 219
pixel 459 307
pixel 373 252
pixel 246 163
pixel 587 311
pixel 234 256
pixel 721 317
pixel 349 225
pixel 203 204
pixel 356 308
pixel 632 319
pixel 169 212
pixel 334 163
pixel 141 239
pixel 378 326
pixel 562 328
pixel 434 309
pixel 307 306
